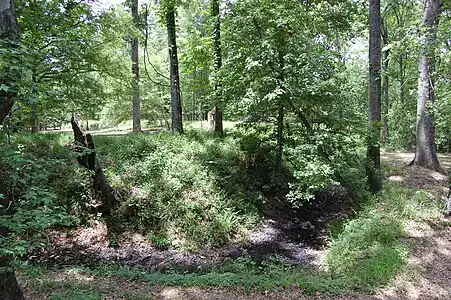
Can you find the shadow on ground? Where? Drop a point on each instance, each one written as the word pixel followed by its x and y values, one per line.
pixel 295 237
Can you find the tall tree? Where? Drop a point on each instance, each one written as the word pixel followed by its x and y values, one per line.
pixel 385 79
pixel 9 34
pixel 217 64
pixel 135 70
pixel 176 102
pixel 374 95
pixel 425 152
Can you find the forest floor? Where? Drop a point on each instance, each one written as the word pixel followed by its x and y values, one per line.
pixel 297 239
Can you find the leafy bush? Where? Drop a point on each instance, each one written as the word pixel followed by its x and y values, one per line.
pixel 198 189
pixel 30 195
pixel 195 189
pixel 325 158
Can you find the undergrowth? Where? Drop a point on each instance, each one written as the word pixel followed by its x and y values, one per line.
pixel 185 191
pixel 201 190
pixel 366 254
pixel 369 249
pixel 194 190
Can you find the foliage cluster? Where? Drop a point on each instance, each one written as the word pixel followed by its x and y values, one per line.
pixel 32 192
pixel 196 189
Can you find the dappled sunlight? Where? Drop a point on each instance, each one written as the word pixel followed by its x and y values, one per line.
pixel 170 293
pixel 438 176
pixel 418 230
pixel 428 271
pixel 398 158
pixel 225 150
pixel 396 178
pixel 403 159
pixel 74 275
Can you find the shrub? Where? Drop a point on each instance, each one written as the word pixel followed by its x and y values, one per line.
pixel 28 170
pixel 320 160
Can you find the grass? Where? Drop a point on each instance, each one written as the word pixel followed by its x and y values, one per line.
pixel 269 278
pixel 186 191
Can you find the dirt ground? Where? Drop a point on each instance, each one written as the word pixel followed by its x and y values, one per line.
pixel 427 275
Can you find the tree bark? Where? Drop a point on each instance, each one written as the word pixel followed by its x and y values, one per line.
pixel 402 79
pixel 280 140
pixel 84 144
pixel 34 118
pixel 219 130
pixel 9 288
pixel 425 150
pixel 135 70
pixel 374 105
pixel 385 84
pixel 176 103
pixel 9 35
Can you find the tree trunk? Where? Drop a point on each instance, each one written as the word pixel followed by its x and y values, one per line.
pixel 9 36
pixel 135 70
pixel 402 80
pixel 176 103
pixel 219 130
pixel 374 105
pixel 9 288
pixel 280 118
pixel 84 144
pixel 425 152
pixel 34 106
pixel 34 118
pixel 385 83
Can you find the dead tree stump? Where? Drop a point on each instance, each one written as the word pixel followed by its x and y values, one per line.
pixel 84 145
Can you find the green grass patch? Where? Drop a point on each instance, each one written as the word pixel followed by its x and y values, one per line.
pixel 368 250
pixel 271 277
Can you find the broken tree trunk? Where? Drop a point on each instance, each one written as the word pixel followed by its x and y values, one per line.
pixel 84 144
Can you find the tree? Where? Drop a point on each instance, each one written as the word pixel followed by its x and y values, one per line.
pixel 217 66
pixel 135 70
pixel 425 150
pixel 9 34
pixel 176 102
pixel 385 78
pixel 374 105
